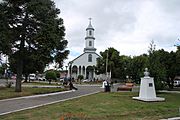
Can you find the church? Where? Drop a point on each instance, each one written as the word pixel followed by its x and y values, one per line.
pixel 84 63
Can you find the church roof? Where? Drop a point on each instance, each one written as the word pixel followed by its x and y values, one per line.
pixel 82 55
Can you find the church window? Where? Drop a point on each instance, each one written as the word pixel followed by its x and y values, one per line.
pixel 90 43
pixel 90 32
pixel 89 58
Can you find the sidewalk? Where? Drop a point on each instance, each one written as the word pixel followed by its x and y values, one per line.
pixel 175 118
pixel 17 104
pixel 42 86
pixel 166 91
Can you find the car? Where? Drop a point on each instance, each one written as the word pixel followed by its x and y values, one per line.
pixel 32 77
pixel 61 79
pixel 86 80
pixel 177 82
pixel 41 77
pixel 13 77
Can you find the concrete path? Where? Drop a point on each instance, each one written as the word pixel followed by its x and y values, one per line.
pixel 17 104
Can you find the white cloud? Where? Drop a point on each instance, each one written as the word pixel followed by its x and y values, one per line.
pixel 126 25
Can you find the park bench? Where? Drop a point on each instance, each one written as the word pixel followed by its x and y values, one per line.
pixel 126 87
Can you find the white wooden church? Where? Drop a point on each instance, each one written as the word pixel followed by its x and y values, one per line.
pixel 84 63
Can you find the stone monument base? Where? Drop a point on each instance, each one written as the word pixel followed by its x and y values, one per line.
pixel 157 99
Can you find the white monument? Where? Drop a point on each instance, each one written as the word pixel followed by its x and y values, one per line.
pixel 147 89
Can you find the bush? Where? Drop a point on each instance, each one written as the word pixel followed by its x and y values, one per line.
pixel 80 77
pixel 159 85
pixel 51 75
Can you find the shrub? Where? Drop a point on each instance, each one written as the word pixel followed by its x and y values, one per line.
pixel 80 77
pixel 51 75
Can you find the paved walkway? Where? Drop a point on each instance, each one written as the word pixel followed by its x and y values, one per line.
pixel 166 91
pixel 17 104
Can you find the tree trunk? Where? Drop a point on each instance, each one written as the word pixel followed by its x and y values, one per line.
pixel 26 78
pixel 19 75
pixel 20 67
pixel 172 83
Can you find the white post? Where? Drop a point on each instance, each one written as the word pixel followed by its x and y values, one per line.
pixel 68 75
pixel 94 75
pixel 77 72
pixel 71 71
pixel 85 73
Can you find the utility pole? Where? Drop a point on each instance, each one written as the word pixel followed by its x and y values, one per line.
pixel 106 64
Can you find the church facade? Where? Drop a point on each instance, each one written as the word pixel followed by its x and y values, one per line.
pixel 84 63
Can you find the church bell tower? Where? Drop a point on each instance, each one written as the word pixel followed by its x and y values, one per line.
pixel 89 44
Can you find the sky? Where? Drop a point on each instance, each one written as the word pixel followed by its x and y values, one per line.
pixel 127 25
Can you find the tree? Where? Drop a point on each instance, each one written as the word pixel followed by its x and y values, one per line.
pixel 2 69
pixel 33 26
pixel 113 62
pixel 178 61
pixel 50 75
pixel 124 66
pixel 31 64
pixel 137 66
pixel 158 65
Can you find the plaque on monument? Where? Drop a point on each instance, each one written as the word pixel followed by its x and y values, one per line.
pixel 150 85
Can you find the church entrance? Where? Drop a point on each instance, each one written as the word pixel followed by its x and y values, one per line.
pixel 90 73
pixel 74 72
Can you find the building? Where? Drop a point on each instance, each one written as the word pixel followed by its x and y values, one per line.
pixel 84 63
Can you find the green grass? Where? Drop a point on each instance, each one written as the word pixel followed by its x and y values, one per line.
pixel 40 83
pixel 26 91
pixel 103 106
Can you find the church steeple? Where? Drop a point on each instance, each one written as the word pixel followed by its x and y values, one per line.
pixel 89 47
pixel 90 26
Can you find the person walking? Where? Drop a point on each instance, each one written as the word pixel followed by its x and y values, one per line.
pixel 71 86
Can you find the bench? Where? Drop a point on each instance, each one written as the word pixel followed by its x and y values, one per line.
pixel 126 87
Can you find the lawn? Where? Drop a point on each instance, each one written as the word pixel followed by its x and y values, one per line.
pixel 36 83
pixel 26 91
pixel 103 106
